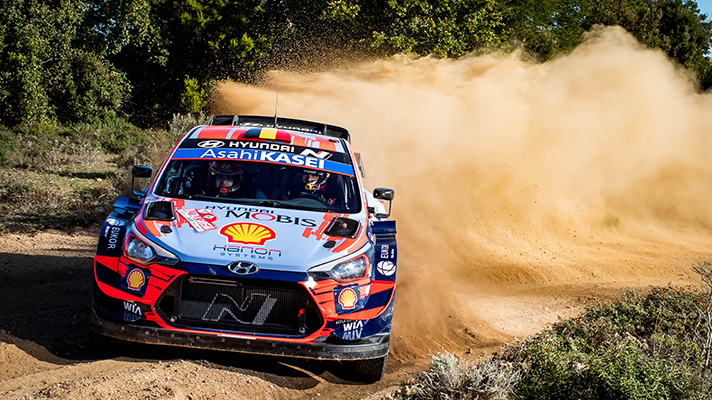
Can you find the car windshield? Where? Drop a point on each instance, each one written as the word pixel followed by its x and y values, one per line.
pixel 257 183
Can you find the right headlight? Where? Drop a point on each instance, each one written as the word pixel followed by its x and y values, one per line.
pixel 139 249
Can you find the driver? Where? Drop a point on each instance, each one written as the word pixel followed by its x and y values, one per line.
pixel 311 183
pixel 225 179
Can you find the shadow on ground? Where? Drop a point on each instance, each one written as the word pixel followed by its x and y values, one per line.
pixel 45 300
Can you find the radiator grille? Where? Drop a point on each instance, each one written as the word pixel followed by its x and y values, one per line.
pixel 240 305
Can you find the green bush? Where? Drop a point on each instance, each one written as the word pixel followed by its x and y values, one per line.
pixel 653 346
pixel 8 142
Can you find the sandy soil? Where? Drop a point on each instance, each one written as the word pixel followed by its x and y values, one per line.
pixel 47 351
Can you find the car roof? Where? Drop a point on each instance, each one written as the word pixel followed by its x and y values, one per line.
pixel 250 140
pixel 291 124
pixel 262 134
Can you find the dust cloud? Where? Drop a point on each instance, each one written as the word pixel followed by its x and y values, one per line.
pixel 515 180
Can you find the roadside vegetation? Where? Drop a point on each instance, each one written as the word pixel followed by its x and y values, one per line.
pixel 89 87
pixel 59 177
pixel 654 345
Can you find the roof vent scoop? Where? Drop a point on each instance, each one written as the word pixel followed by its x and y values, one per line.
pixel 159 211
pixel 342 227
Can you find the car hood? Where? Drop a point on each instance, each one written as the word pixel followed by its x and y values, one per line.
pixel 272 238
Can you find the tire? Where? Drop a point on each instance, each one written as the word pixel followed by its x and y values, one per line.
pixel 369 370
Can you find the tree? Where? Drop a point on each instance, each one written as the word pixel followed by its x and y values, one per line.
pixel 550 27
pixel 45 75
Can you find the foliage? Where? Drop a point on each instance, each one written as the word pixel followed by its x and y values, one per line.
pixel 193 97
pixel 450 378
pixel 640 347
pixel 653 346
pixel 88 61
pixel 445 28
pixel 45 75
pixel 8 143
pixel 550 27
pixel 56 176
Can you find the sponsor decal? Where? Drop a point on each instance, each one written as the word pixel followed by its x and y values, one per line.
pixel 132 308
pixel 384 251
pixel 135 280
pixel 240 208
pixel 348 298
pixel 112 234
pixel 267 156
pixel 270 216
pixel 311 153
pixel 236 250
pixel 386 268
pixel 115 222
pixel 387 252
pixel 201 220
pixel 312 160
pixel 262 146
pixel 247 233
pixel 352 329
pixel 211 144
pixel 224 308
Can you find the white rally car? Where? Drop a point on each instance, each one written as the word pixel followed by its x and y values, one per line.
pixel 255 236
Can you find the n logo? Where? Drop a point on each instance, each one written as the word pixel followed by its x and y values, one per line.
pixel 224 308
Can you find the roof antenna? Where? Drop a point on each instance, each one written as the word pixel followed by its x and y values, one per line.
pixel 276 101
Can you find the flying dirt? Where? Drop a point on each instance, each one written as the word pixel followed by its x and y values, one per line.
pixel 524 191
pixel 520 186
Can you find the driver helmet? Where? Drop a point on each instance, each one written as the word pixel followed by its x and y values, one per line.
pixel 314 180
pixel 226 176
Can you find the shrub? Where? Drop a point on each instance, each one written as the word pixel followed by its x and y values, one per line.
pixel 653 346
pixel 8 142
pixel 450 378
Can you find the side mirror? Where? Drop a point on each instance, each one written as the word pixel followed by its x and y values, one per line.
pixel 384 194
pixel 139 171
pixel 387 195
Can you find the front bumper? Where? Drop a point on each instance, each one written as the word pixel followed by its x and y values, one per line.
pixel 375 346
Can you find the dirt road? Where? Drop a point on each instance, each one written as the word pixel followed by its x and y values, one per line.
pixel 47 351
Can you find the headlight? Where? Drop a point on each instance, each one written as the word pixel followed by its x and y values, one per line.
pixel 354 266
pixel 352 269
pixel 138 249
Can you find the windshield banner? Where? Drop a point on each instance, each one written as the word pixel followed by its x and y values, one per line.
pixel 264 156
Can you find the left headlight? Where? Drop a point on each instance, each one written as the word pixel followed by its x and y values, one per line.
pixel 353 266
pixel 351 269
pixel 139 249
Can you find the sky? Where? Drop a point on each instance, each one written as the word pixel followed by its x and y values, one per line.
pixel 705 7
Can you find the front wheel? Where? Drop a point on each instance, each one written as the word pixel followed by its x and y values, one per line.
pixel 369 370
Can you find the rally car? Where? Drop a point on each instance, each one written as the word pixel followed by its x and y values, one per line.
pixel 255 236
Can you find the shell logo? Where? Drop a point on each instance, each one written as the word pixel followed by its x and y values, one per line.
pixel 348 298
pixel 136 279
pixel 247 233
